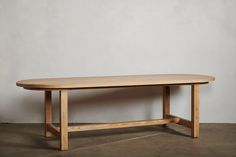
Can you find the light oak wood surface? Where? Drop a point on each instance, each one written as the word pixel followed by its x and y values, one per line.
pixel 195 110
pixel 114 125
pixel 166 103
pixel 113 81
pixel 63 85
pixel 48 112
pixel 64 119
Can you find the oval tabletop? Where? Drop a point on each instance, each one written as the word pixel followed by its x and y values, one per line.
pixel 113 81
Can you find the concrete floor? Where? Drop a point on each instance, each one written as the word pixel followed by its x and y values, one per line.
pixel 218 140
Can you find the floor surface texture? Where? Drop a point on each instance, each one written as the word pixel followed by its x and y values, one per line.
pixel 27 140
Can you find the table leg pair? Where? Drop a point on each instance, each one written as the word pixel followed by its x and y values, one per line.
pixel 194 123
pixel 63 130
pixel 50 129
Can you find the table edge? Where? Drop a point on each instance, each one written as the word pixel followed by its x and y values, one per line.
pixel 57 87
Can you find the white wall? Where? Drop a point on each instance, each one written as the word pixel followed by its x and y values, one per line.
pixel 52 38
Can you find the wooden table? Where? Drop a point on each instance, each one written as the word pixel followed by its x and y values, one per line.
pixel 63 85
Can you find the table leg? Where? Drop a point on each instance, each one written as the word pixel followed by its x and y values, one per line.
pixel 48 112
pixel 166 102
pixel 64 119
pixel 195 111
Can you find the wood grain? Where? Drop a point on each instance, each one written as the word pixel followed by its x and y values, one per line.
pixel 114 125
pixel 48 112
pixel 166 103
pixel 64 119
pixel 54 130
pixel 113 81
pixel 195 111
pixel 179 120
